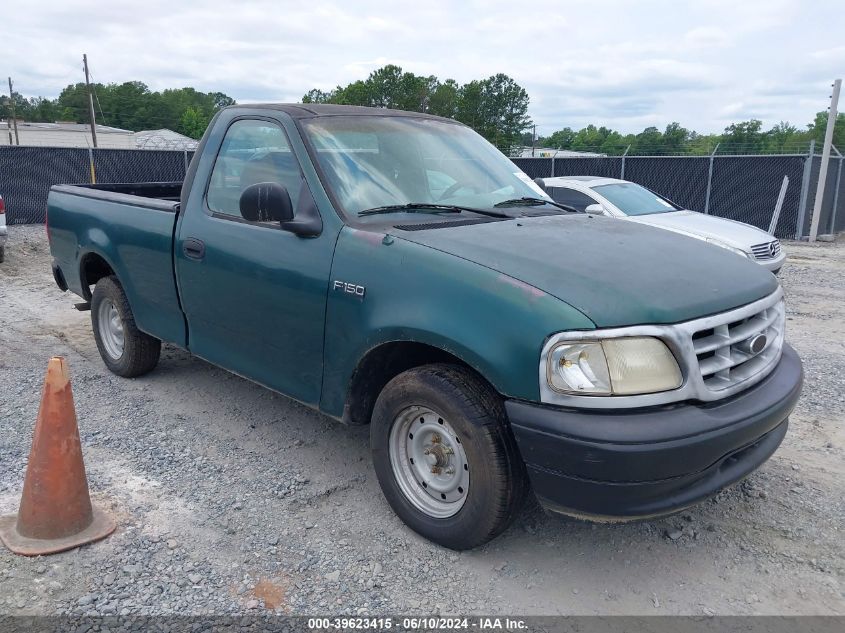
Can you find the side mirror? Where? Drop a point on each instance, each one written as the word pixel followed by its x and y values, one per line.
pixel 266 202
pixel 540 183
pixel 594 208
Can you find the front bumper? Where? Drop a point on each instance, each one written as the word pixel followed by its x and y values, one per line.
pixel 632 464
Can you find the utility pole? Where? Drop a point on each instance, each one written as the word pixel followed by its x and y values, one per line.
pixel 533 140
pixel 90 101
pixel 828 141
pixel 14 118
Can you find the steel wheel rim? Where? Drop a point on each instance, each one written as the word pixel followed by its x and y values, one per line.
pixel 110 326
pixel 429 462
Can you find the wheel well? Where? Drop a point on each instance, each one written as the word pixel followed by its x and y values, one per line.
pixel 379 366
pixel 91 270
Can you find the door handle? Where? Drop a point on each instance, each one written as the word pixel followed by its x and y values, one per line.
pixel 193 248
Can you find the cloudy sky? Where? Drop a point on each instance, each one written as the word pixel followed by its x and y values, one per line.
pixel 625 64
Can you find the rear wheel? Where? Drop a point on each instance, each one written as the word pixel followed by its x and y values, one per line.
pixel 126 350
pixel 444 456
pixel 2 253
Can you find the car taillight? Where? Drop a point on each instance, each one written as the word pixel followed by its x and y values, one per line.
pixel 2 206
pixel 47 223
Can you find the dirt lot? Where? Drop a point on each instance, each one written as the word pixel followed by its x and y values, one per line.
pixel 231 498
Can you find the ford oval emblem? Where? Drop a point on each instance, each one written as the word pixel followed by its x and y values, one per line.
pixel 757 344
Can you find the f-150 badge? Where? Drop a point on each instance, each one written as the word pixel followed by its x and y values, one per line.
pixel 350 289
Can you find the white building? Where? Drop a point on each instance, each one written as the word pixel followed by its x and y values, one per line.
pixel 65 135
pixel 548 152
pixel 164 139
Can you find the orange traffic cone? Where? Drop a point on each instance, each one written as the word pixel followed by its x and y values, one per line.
pixel 55 512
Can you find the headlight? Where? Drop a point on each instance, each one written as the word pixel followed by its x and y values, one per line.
pixel 727 247
pixel 621 366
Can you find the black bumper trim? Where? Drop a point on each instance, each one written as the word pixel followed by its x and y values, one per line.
pixel 653 461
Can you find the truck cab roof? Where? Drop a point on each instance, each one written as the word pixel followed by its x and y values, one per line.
pixel 311 110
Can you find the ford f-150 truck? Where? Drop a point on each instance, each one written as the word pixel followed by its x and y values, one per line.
pixel 394 269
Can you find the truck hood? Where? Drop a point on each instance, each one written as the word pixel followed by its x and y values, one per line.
pixel 616 273
pixel 736 234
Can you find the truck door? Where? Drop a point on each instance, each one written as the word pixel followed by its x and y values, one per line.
pixel 254 295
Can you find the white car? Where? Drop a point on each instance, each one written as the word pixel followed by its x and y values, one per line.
pixel 3 230
pixel 630 201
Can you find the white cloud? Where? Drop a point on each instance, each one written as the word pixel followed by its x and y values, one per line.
pixel 609 62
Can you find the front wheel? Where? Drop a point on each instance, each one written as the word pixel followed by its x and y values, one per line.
pixel 444 456
pixel 126 350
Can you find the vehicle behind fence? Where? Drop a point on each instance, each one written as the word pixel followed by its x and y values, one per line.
pixel 739 187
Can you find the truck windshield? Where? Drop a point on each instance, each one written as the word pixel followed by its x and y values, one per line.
pixel 632 199
pixel 371 162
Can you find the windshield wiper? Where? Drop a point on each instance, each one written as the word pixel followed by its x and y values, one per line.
pixel 533 202
pixel 413 207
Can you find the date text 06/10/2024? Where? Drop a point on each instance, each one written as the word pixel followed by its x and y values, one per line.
pixel 418 623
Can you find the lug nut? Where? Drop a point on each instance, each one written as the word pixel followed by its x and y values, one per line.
pixel 448 450
pixel 450 471
pixel 435 470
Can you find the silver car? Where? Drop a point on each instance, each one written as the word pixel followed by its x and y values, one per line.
pixel 630 201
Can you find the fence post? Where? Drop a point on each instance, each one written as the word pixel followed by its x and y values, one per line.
pixel 805 189
pixel 622 175
pixel 836 193
pixel 710 179
pixel 553 166
pixel 91 166
pixel 773 225
pixel 185 153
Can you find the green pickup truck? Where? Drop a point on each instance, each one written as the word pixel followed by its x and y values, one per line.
pixel 394 269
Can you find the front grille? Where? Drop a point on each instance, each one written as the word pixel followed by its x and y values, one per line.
pixel 724 349
pixel 769 250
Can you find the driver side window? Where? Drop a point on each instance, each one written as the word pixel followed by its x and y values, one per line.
pixel 253 151
pixel 570 197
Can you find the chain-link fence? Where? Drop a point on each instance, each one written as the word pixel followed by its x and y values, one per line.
pixel 739 187
pixel 27 173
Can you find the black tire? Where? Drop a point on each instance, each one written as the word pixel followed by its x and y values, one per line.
pixel 140 351
pixel 498 484
pixel 2 253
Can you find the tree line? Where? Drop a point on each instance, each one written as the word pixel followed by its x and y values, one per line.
pixel 746 137
pixel 496 107
pixel 130 105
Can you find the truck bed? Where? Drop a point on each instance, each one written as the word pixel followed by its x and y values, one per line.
pixel 156 195
pixel 124 227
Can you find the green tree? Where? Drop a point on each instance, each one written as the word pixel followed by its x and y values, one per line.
pixel 744 137
pixel 193 122
pixel 818 128
pixel 356 93
pixel 561 139
pixel 648 142
pixel 780 136
pixel 496 108
pixel 675 139
pixel 317 96
pixel 444 99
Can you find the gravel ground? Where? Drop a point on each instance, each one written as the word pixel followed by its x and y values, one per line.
pixel 231 499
